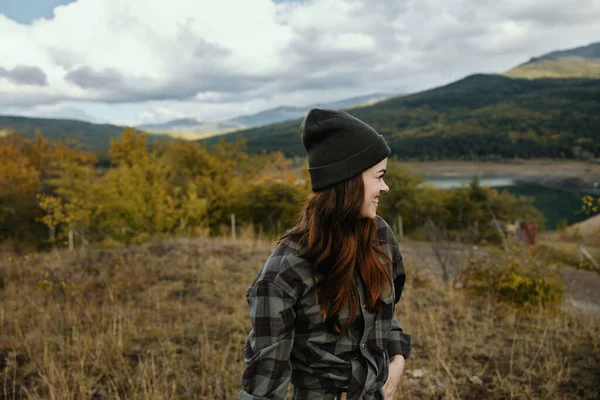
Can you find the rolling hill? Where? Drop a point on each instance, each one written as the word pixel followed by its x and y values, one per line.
pixel 480 116
pixel 91 137
pixel 580 62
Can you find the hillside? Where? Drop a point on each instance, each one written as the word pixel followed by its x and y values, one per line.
pixel 588 230
pixel 580 62
pixel 92 137
pixel 480 116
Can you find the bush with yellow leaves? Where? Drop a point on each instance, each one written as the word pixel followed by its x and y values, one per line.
pixel 514 276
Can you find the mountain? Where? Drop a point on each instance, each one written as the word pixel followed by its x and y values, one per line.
pixel 174 125
pixel 92 137
pixel 355 101
pixel 480 116
pixel 270 116
pixel 591 51
pixel 580 62
pixel 286 113
pixel 96 137
pixel 192 129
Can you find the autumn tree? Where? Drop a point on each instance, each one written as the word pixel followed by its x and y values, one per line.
pixel 71 176
pixel 128 148
pixel 19 183
pixel 270 206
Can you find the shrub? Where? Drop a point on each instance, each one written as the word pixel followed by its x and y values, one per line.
pixel 513 278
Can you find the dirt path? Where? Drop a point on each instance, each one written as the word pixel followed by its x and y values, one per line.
pixel 521 168
pixel 583 290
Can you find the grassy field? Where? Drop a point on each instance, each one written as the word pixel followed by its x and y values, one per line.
pixel 169 320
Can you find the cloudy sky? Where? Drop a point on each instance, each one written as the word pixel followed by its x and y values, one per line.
pixel 143 61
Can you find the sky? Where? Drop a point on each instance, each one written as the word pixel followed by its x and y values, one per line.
pixel 148 61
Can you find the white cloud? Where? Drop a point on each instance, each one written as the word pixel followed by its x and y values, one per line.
pixel 144 60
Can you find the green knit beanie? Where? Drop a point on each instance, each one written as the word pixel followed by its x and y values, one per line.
pixel 339 147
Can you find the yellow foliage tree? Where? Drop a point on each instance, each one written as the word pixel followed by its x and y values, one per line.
pixel 54 214
pixel 72 181
pixel 137 199
pixel 130 147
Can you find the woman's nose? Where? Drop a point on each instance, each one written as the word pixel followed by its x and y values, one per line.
pixel 385 188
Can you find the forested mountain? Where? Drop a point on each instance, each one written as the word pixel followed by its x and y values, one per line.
pixel 480 116
pixel 92 137
pixel 580 62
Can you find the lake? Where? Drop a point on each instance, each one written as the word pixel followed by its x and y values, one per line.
pixel 555 203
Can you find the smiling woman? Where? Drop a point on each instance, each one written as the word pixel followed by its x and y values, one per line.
pixel 374 187
pixel 322 308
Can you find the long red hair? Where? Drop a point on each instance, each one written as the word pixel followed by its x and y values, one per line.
pixel 339 243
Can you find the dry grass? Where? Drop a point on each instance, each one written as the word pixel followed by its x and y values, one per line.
pixel 588 231
pixel 169 320
pixel 566 252
pixel 564 247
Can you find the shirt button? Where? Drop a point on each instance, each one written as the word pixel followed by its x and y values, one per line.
pixel 363 345
pixel 365 306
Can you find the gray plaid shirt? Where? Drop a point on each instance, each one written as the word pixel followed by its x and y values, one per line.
pixel 290 341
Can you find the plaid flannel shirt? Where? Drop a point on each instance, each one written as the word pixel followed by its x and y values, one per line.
pixel 290 341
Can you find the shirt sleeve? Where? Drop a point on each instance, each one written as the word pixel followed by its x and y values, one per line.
pixel 269 345
pixel 398 341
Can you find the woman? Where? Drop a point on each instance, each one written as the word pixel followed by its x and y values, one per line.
pixel 322 307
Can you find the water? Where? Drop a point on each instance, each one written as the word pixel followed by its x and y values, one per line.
pixel 555 203
pixel 452 182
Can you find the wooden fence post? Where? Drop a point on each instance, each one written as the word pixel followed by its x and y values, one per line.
pixel 71 241
pixel 400 227
pixel 233 226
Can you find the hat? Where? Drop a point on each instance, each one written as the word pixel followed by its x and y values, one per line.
pixel 339 147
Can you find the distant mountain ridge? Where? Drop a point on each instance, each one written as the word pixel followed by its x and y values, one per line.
pixel 183 122
pixel 96 137
pixel 480 116
pixel 188 127
pixel 285 113
pixel 589 51
pixel 579 62
pixel 269 116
